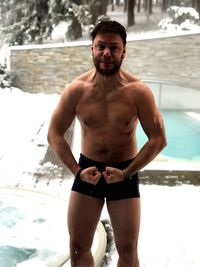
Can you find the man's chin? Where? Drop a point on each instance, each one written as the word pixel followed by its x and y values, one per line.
pixel 107 72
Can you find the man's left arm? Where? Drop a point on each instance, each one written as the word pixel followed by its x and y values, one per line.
pixel 153 126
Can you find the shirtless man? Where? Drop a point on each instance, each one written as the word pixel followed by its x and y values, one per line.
pixel 108 101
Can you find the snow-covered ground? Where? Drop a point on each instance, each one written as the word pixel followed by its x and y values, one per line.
pixel 24 120
pixel 169 236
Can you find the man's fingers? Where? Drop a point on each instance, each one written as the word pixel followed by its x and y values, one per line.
pixel 96 175
pixel 108 172
pixel 91 175
pixel 91 169
pixel 107 175
pixel 112 175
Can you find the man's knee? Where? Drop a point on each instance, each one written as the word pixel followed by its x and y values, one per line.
pixel 78 249
pixel 128 253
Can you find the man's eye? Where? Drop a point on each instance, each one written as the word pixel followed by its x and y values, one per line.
pixel 101 47
pixel 113 48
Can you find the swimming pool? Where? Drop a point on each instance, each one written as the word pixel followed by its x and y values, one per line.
pixel 30 226
pixel 183 135
pixel 33 230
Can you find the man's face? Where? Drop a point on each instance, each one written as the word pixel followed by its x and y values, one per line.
pixel 108 51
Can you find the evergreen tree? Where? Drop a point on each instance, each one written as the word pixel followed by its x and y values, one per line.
pixel 26 21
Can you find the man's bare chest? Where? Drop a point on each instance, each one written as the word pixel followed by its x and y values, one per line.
pixel 115 111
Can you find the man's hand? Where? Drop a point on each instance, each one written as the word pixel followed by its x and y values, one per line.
pixel 90 175
pixel 113 175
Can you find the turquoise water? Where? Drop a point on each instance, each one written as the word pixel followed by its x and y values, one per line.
pixel 183 135
pixel 30 226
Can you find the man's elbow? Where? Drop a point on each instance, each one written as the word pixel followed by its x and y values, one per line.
pixel 162 143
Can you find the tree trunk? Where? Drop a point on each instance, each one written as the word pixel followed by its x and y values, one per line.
pixel 77 2
pixel 139 6
pixel 150 9
pixel 193 3
pixel 125 5
pixel 98 8
pixel 112 5
pixel 130 14
pixel 117 2
pixel 198 6
pixel 165 5
pixel 145 3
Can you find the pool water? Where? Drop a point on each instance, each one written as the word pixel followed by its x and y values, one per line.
pixel 183 135
pixel 30 226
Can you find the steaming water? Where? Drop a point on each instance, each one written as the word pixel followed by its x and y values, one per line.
pixel 33 230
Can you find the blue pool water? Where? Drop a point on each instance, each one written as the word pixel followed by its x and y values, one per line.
pixel 30 225
pixel 183 135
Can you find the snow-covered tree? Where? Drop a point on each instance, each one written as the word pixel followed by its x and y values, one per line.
pixel 181 18
pixel 25 21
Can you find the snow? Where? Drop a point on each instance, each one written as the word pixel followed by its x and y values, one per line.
pixel 169 234
pixel 186 10
pixel 22 117
pixel 187 15
pixel 59 31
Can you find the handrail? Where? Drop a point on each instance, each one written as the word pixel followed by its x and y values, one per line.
pixel 166 82
pixel 167 95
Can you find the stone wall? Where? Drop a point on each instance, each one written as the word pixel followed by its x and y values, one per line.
pixel 48 68
pixel 173 59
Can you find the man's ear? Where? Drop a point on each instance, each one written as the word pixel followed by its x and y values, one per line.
pixel 124 52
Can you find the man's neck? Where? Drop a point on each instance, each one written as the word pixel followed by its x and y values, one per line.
pixel 107 82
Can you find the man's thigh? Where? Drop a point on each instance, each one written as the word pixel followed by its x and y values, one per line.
pixel 125 219
pixel 83 216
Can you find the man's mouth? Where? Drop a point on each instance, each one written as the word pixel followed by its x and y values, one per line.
pixel 106 62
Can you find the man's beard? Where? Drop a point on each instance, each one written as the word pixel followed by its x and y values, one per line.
pixel 107 71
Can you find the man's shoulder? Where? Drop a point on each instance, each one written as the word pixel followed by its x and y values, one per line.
pixel 133 81
pixel 130 78
pixel 78 85
pixel 137 88
pixel 86 77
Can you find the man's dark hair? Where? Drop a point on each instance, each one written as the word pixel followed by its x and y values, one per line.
pixel 109 26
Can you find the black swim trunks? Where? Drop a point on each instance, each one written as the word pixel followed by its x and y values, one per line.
pixel 128 188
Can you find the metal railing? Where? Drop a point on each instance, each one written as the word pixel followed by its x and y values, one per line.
pixel 170 95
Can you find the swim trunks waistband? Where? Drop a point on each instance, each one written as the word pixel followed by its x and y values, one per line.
pixel 85 162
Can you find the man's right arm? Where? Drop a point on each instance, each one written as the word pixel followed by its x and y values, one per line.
pixel 61 120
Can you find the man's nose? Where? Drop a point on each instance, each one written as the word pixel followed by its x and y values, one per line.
pixel 107 52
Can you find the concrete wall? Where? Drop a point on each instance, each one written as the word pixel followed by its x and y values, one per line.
pixel 48 68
